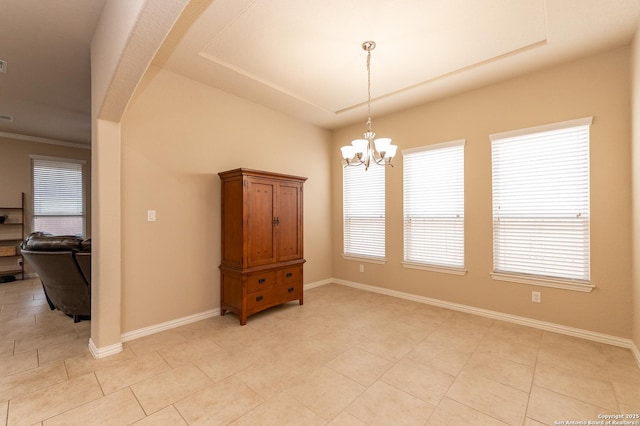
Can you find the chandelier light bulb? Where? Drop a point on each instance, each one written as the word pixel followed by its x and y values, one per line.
pixel 348 152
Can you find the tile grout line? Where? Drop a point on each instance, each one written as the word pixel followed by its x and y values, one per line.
pixel 533 378
pixel 462 369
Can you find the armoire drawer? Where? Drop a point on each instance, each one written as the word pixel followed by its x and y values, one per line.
pixel 273 296
pixel 289 275
pixel 261 281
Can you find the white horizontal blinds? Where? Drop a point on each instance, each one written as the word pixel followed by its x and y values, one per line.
pixel 541 202
pixel 434 205
pixel 58 206
pixel 363 210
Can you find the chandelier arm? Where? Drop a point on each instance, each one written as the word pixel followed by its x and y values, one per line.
pixel 384 161
pixel 379 160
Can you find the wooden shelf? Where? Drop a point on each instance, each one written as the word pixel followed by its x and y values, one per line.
pixel 11 234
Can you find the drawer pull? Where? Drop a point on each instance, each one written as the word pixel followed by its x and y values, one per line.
pixel 289 274
pixel 290 289
pixel 262 280
pixel 259 298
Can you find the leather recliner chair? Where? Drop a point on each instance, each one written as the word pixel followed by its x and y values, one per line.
pixel 63 264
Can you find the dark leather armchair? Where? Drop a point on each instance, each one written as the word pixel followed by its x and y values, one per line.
pixel 65 271
pixel 84 262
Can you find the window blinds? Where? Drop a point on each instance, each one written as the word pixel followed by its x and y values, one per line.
pixel 434 205
pixel 541 201
pixel 58 202
pixel 363 211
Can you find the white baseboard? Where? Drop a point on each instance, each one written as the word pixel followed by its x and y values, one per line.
pixel 131 335
pixel 146 331
pixel 636 353
pixel 543 325
pixel 98 353
pixel 318 284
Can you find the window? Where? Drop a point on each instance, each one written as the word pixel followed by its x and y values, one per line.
pixel 434 206
pixel 58 196
pixel 363 210
pixel 541 204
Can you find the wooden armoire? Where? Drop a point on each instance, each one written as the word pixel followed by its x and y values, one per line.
pixel 262 241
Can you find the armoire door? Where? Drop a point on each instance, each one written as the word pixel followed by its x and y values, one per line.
pixel 261 222
pixel 289 221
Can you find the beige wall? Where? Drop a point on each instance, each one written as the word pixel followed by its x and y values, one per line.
pixel 635 159
pixel 176 136
pixel 126 38
pixel 596 86
pixel 15 172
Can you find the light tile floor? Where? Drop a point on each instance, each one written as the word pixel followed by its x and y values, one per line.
pixel 347 357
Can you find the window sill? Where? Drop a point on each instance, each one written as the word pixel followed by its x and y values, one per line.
pixel 377 260
pixel 544 282
pixel 434 268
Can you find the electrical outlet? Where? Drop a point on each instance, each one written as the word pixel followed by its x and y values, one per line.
pixel 151 215
pixel 536 297
pixel 361 268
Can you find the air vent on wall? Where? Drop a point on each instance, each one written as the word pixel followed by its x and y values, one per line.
pixel 3 66
pixel 6 117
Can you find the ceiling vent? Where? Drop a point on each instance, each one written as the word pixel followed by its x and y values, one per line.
pixel 3 66
pixel 6 117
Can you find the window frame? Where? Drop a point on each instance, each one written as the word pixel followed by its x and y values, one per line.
pixel 60 160
pixel 455 264
pixel 543 280
pixel 379 215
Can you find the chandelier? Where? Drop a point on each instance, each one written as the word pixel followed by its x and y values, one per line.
pixel 361 151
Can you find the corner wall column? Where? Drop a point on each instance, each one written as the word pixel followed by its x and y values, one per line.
pixel 106 279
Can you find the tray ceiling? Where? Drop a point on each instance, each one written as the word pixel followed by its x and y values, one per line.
pixel 304 58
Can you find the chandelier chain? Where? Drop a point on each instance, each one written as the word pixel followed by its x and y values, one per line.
pixel 369 90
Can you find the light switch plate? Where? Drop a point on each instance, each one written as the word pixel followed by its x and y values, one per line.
pixel 151 215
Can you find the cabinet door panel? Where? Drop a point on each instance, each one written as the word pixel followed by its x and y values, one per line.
pixel 260 223
pixel 289 241
pixel 232 241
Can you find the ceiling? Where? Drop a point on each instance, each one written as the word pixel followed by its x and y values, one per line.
pixel 47 87
pixel 304 58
